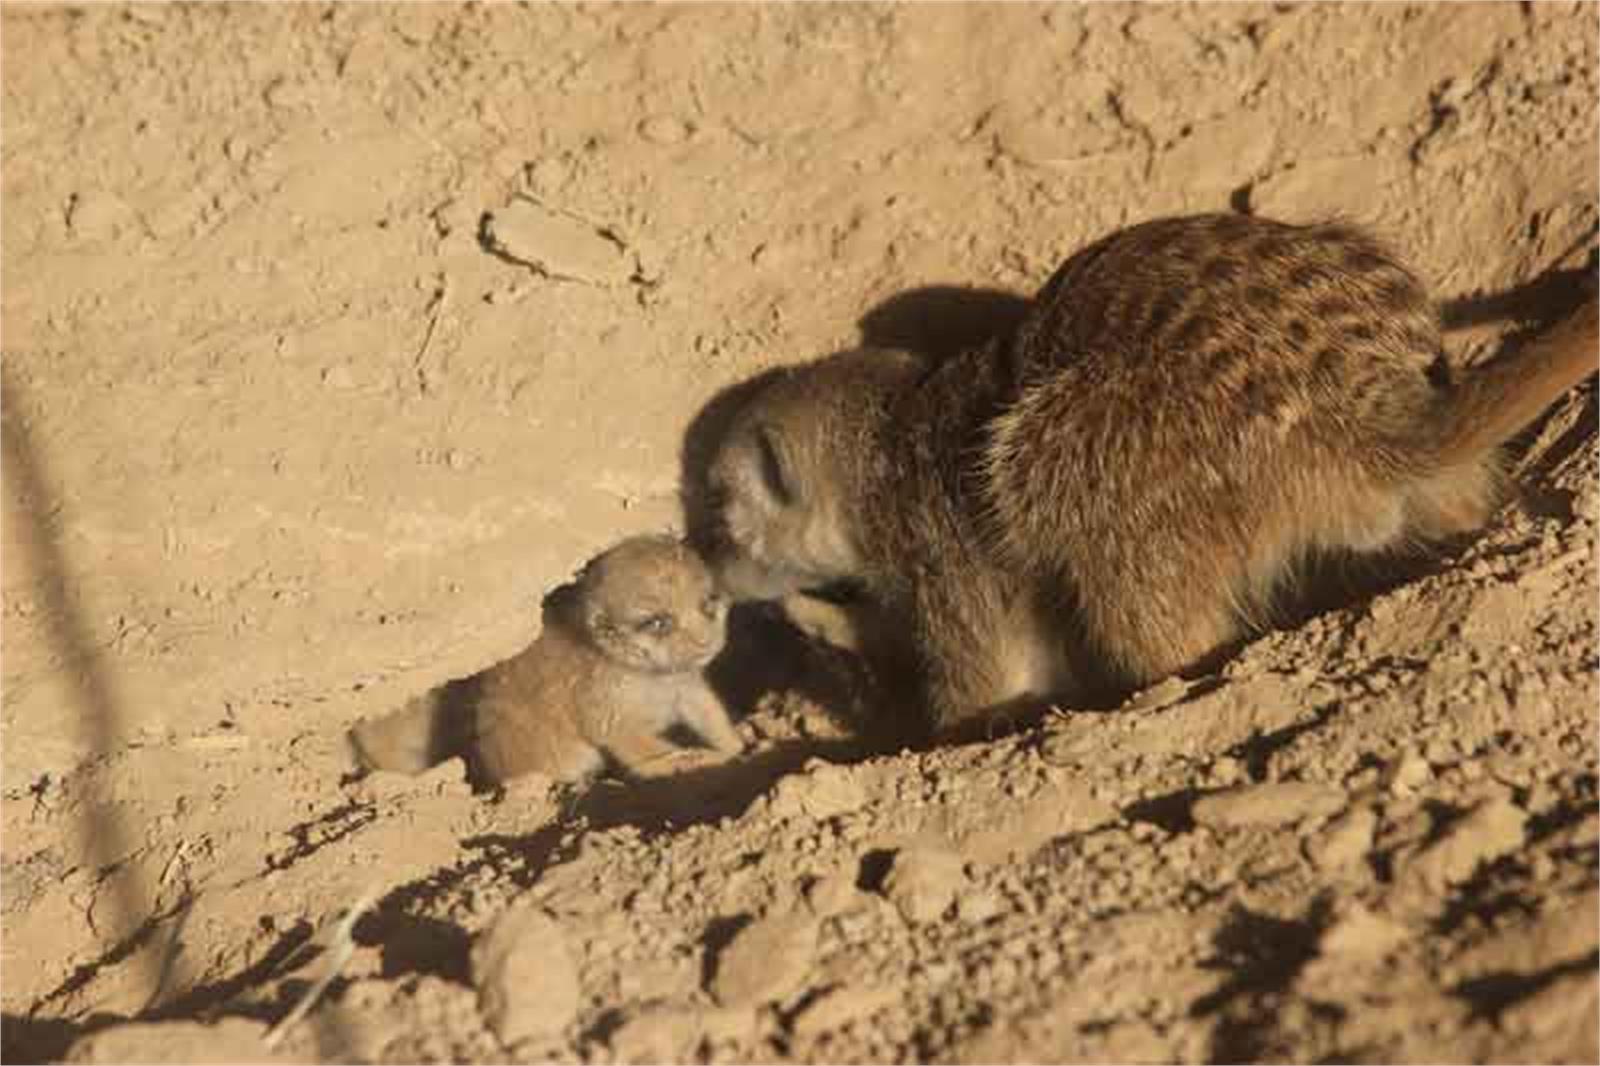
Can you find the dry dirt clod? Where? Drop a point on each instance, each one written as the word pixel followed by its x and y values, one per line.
pixel 765 961
pixel 665 129
pixel 660 1035
pixel 831 893
pixel 229 1040
pixel 822 791
pixel 555 243
pixel 840 1006
pixel 1275 803
pixel 1491 829
pixel 1563 1007
pixel 1163 693
pixel 733 1024
pixel 526 980
pixel 923 882
pixel 1359 932
pixel 1344 841
pixel 1407 774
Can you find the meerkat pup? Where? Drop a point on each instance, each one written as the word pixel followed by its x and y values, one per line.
pixel 1191 408
pixel 619 661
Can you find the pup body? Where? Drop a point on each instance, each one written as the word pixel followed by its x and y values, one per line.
pixel 1192 408
pixel 619 661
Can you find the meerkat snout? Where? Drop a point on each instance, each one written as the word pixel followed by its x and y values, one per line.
pixel 786 515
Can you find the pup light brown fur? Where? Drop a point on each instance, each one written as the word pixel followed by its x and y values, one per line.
pixel 619 660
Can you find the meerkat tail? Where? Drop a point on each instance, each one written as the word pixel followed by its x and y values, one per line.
pixel 1492 403
pixel 403 741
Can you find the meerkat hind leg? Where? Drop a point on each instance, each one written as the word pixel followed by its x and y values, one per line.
pixel 1147 630
pixel 991 670
pixel 511 744
pixel 1455 501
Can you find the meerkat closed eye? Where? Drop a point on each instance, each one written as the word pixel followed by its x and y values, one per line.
pixel 1190 409
pixel 620 660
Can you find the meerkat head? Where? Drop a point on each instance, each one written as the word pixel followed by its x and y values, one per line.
pixel 651 604
pixel 785 479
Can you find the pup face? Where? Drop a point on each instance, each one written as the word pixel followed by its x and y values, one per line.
pixel 787 474
pixel 651 604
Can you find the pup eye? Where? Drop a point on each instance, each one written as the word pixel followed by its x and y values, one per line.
pixel 657 625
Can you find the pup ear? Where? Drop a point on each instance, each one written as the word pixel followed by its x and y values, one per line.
pixel 596 619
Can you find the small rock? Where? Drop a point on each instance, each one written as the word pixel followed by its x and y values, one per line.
pixel 1067 747
pixel 1491 829
pixel 556 243
pixel 1223 153
pixel 99 216
pixel 660 1035
pixel 1407 773
pixel 526 980
pixel 1312 186
pixel 734 1025
pixel 842 1005
pixel 665 129
pixel 831 893
pixel 1344 841
pixel 821 792
pixel 1359 932
pixel 765 961
pixel 979 906
pixel 1274 803
pixel 1227 770
pixel 1564 1006
pixel 1134 1040
pixel 1024 826
pixel 227 1040
pixel 338 377
pixel 1163 693
pixel 923 882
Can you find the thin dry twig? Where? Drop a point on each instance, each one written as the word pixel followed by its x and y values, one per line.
pixel 340 948
pixel 441 293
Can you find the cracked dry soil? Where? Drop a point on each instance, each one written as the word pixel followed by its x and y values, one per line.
pixel 335 335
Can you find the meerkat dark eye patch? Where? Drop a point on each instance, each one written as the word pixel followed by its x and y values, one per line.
pixel 656 625
pixel 772 467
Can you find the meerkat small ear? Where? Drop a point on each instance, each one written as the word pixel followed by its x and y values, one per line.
pixel 773 475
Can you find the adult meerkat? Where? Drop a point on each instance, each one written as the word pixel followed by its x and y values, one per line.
pixel 1190 408
pixel 619 661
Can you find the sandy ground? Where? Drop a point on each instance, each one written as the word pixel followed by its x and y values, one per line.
pixel 292 433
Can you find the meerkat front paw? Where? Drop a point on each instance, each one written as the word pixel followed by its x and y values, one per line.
pixel 823 620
